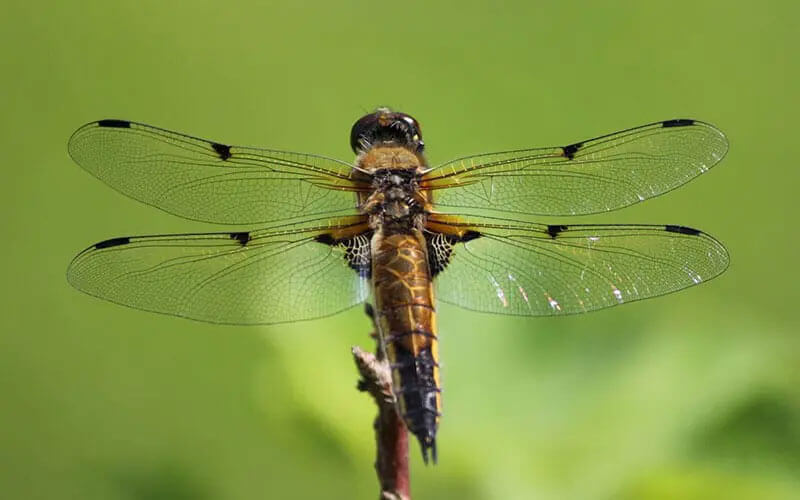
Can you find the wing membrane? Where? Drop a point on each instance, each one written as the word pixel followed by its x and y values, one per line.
pixel 591 176
pixel 208 181
pixel 259 277
pixel 540 270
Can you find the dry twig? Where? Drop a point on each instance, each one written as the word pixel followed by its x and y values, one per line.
pixel 391 436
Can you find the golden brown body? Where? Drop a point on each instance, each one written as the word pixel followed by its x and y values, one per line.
pixel 402 285
pixel 406 318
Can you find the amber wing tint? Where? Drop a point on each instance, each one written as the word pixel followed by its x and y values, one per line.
pixel 526 269
pixel 265 276
pixel 594 175
pixel 209 181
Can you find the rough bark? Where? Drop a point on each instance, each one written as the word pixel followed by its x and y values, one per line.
pixel 391 436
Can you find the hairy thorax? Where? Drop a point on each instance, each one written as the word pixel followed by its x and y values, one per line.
pixel 396 204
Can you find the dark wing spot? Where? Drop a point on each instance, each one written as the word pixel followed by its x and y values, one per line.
pixel 325 238
pixel 243 238
pixel 369 310
pixel 680 122
pixel 469 236
pixel 440 248
pixel 682 230
pixel 222 150
pixel 569 151
pixel 114 123
pixel 356 251
pixel 359 254
pixel 555 230
pixel 113 242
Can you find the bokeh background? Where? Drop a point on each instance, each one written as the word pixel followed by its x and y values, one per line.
pixel 693 395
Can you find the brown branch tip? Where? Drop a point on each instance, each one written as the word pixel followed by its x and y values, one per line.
pixel 391 436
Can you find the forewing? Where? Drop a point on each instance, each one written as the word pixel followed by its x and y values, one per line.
pixel 208 181
pixel 590 176
pixel 539 270
pixel 259 277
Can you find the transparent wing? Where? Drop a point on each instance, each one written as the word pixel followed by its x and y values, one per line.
pixel 208 181
pixel 590 176
pixel 270 276
pixel 540 270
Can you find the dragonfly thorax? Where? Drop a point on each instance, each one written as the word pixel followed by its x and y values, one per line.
pixel 395 179
pixel 396 202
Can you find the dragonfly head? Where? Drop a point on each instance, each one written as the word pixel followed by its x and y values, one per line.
pixel 385 126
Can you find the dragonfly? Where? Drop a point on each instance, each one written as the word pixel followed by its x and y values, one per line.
pixel 387 229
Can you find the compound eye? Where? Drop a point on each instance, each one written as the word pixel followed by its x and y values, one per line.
pixel 385 125
pixel 410 121
pixel 363 129
pixel 414 133
pixel 413 125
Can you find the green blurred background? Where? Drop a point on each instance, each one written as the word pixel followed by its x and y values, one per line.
pixel 693 395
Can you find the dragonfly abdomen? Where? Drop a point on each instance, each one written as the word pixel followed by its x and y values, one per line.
pixel 406 318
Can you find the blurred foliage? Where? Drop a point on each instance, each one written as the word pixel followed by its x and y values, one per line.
pixel 693 395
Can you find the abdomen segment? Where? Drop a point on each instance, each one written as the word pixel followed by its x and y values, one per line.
pixel 406 318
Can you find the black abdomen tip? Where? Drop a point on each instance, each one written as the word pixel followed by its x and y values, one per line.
pixel 428 445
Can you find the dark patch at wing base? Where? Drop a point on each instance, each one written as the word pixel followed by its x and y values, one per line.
pixel 682 230
pixel 440 248
pixel 680 122
pixel 113 242
pixel 222 150
pixel 114 123
pixel 357 251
